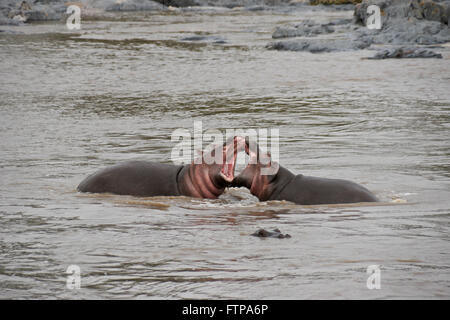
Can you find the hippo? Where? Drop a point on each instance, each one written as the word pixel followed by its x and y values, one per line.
pixel 200 179
pixel 276 233
pixel 281 184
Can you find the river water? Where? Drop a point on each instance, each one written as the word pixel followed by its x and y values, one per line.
pixel 72 102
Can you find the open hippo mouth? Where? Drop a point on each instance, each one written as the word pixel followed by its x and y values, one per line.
pixel 230 152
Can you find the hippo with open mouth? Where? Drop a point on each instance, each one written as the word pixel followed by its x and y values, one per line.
pixel 281 184
pixel 206 178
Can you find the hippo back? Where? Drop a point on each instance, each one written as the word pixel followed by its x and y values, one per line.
pixel 135 178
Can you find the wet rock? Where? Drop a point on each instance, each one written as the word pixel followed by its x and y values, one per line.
pixel 397 53
pixel 319 45
pixel 135 5
pixel 200 38
pixel 10 32
pixel 340 22
pixel 19 18
pixel 335 4
pixel 206 9
pixel 395 10
pixel 406 21
pixel 255 8
pixel 330 2
pixel 419 32
pixel 275 233
pixel 240 3
pixel 4 20
pixel 13 13
pixel 28 11
pixel 310 28
pixel 430 10
pixel 179 3
pixel 6 7
pixel 44 13
pixel 307 28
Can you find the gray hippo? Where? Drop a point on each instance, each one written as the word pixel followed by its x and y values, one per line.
pixel 281 184
pixel 276 233
pixel 146 179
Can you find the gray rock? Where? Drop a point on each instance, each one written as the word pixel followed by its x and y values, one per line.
pixel 179 3
pixel 135 5
pixel 206 9
pixel 239 3
pixel 10 32
pixel 334 7
pixel 392 10
pixel 407 21
pixel 404 22
pixel 409 31
pixel 4 20
pixel 44 13
pixel 403 52
pixel 340 22
pixel 28 11
pixel 305 29
pixel 6 6
pixel 430 10
pixel 200 38
pixel 256 8
pixel 319 45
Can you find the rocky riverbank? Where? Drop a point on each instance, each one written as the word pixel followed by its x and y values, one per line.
pixel 406 24
pixel 15 12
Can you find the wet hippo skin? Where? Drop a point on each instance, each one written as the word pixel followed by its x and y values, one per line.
pixel 281 184
pixel 205 179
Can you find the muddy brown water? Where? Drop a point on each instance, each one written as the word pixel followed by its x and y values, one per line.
pixel 73 102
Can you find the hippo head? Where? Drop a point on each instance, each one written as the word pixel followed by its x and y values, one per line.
pixel 260 173
pixel 211 173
